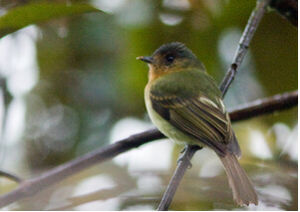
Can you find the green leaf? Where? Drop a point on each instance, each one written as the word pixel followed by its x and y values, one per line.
pixel 23 16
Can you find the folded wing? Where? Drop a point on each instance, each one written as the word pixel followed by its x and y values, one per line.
pixel 199 117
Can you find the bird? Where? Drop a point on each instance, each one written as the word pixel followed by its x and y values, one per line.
pixel 184 102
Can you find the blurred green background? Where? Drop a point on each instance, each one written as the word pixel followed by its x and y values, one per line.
pixel 70 83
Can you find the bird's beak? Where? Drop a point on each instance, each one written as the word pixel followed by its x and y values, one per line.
pixel 146 59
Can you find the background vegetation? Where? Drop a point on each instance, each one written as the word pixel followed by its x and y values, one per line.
pixel 71 83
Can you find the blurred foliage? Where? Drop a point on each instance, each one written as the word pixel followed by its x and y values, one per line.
pixel 33 13
pixel 82 82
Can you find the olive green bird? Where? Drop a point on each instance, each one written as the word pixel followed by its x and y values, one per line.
pixel 186 105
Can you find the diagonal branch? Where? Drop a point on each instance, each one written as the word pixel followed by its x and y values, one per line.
pixel 59 173
pixel 240 53
pixel 11 176
pixel 264 106
pixel 183 164
pixel 244 43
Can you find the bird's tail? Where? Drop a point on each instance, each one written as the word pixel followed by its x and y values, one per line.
pixel 242 188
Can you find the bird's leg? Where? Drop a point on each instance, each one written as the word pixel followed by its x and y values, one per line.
pixel 183 149
pixel 184 157
pixel 181 156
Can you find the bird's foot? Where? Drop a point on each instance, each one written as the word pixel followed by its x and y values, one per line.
pixel 182 157
pixel 183 149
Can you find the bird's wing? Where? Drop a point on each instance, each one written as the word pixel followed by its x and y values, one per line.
pixel 196 115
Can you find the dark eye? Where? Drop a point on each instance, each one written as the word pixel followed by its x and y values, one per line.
pixel 170 58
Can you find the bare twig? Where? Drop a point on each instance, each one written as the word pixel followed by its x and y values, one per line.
pixel 244 43
pixel 240 53
pixel 57 174
pixel 183 164
pixel 32 186
pixel 287 8
pixel 10 176
pixel 264 106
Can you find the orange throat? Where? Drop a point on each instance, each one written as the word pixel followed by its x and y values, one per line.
pixel 155 73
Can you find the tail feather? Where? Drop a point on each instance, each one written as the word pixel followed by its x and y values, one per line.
pixel 242 188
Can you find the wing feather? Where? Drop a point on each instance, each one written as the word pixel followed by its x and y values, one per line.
pixel 198 116
pixel 189 128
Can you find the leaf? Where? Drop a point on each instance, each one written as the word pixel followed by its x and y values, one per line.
pixel 33 13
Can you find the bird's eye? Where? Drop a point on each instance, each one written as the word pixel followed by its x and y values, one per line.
pixel 170 58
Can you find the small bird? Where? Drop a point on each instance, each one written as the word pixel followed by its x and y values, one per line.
pixel 186 105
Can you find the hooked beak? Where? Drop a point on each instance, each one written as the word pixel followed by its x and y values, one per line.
pixel 146 59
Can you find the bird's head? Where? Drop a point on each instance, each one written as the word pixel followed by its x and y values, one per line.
pixel 171 57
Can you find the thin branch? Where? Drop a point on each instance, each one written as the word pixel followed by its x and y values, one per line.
pixel 244 43
pixel 240 53
pixel 265 106
pixel 183 164
pixel 59 173
pixel 288 9
pixel 10 176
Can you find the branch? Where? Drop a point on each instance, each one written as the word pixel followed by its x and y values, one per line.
pixel 183 164
pixel 33 186
pixel 59 173
pixel 10 176
pixel 240 53
pixel 244 43
pixel 264 106
pixel 287 8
